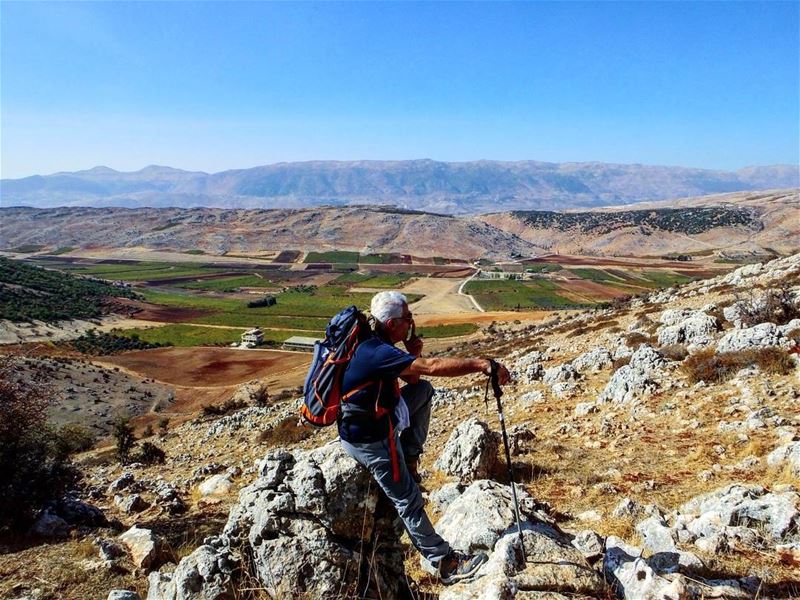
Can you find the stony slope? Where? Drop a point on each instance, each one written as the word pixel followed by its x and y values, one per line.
pixel 736 223
pixel 657 443
pixel 470 187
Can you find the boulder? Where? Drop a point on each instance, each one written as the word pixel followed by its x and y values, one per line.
pixel 788 454
pixel 698 329
pixel 216 485
pixel 208 573
pixel 49 525
pixel 659 578
pixel 131 504
pixel 764 335
pixel 593 361
pixel 315 508
pixel 120 483
pixel 627 384
pixel 647 359
pixel 776 515
pixel 123 595
pixel 145 548
pixel 444 496
pixel 589 544
pixel 635 379
pixel 561 374
pixel 482 519
pixel 470 452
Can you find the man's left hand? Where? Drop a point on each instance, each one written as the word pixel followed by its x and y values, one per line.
pixel 414 346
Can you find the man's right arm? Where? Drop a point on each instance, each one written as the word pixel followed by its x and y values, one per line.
pixel 453 367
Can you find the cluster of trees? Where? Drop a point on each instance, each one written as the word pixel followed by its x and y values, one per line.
pixel 265 301
pixel 28 292
pixel 34 456
pixel 93 342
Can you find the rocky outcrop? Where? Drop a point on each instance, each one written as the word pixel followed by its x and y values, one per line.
pixel 482 519
pixel 311 523
pixel 145 548
pixel 763 335
pixel 636 379
pixel 695 328
pixel 470 452
pixel 593 361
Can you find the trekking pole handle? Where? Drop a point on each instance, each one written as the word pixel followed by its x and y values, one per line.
pixel 495 378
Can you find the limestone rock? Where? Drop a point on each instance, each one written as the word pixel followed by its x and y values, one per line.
pixel 482 518
pixel 776 514
pixel 593 361
pixel 123 595
pixel 145 548
pixel 764 335
pixel 470 452
pixel 697 329
pixel 216 485
pixel 49 525
pixel 589 544
pixel 206 574
pixel 788 454
pixel 316 508
pixel 131 504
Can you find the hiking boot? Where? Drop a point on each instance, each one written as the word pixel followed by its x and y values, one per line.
pixel 457 567
pixel 413 469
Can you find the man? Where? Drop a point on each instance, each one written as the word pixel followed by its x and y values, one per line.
pixel 374 409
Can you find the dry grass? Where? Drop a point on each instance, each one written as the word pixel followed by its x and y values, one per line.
pixel 285 433
pixel 710 367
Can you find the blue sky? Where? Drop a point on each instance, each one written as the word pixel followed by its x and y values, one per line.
pixel 213 86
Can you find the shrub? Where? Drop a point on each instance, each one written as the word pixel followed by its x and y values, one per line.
pixel 288 431
pixel 214 410
pixel 74 437
pixel 633 339
pixel 163 424
pixel 710 367
pixel 676 352
pixel 620 362
pixel 775 306
pixel 150 454
pixel 35 466
pixel 261 396
pixel 123 435
pixel 147 431
pixel 265 301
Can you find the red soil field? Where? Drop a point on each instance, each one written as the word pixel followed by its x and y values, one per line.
pixel 211 367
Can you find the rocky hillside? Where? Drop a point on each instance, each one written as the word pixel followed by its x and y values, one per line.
pixel 735 224
pixel 738 224
pixel 470 187
pixel 656 443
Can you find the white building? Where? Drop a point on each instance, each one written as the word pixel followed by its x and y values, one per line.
pixel 253 336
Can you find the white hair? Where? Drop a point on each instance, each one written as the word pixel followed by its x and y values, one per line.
pixel 387 305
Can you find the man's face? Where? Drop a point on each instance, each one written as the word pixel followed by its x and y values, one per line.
pixel 399 326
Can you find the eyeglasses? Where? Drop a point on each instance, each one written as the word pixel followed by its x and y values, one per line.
pixel 409 317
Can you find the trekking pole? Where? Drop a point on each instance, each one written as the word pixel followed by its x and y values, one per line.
pixel 498 392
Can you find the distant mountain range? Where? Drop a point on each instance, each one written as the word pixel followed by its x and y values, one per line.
pixel 444 187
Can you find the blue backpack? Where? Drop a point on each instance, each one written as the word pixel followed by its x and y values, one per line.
pixel 323 387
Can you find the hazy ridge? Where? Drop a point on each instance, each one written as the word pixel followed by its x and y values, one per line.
pixel 450 187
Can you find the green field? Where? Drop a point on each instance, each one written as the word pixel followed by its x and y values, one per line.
pixel 666 278
pixel 505 294
pixel 143 271
pixel 383 280
pixel 443 331
pixel 333 256
pixel 191 335
pixel 230 283
pixel 542 268
pixel 597 275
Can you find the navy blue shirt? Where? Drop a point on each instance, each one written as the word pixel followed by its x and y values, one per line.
pixel 377 364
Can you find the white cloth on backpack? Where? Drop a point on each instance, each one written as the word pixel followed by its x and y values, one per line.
pixel 401 414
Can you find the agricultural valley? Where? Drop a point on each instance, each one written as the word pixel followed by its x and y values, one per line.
pixel 655 349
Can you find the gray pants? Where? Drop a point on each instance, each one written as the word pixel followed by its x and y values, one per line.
pixel 404 494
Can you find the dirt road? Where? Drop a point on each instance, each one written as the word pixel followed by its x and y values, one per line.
pixel 441 297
